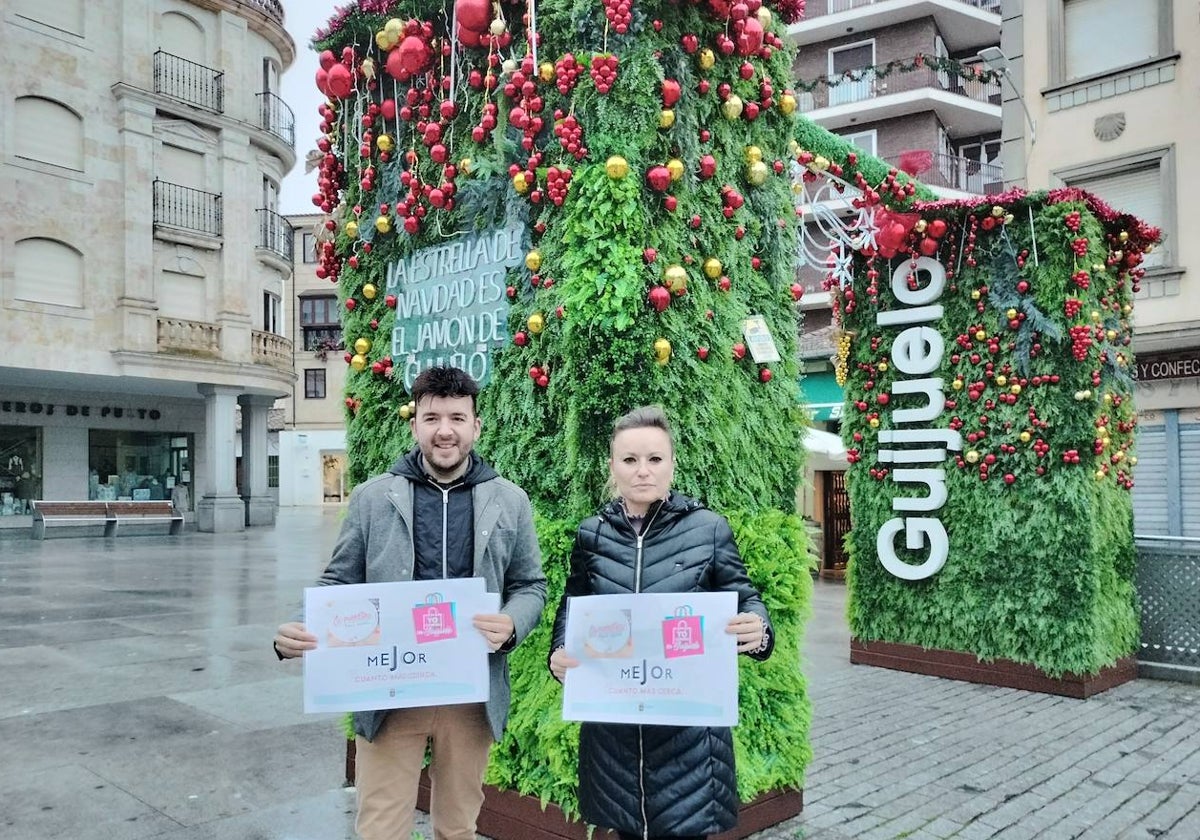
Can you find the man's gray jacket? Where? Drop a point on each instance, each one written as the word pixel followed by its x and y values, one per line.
pixel 376 546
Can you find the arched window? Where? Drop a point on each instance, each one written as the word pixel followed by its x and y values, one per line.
pixel 182 36
pixel 48 271
pixel 66 15
pixel 50 132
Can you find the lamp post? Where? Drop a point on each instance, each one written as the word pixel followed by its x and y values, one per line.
pixel 994 59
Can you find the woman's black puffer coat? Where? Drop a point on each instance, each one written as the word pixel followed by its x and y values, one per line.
pixel 658 780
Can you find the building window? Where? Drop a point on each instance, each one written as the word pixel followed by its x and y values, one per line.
pixel 1142 185
pixel 314 383
pixel 273 469
pixel 864 140
pixel 271 322
pixel 308 248
pixel 1101 36
pixel 38 119
pixel 319 321
pixel 48 271
pixel 20 468
pixel 852 59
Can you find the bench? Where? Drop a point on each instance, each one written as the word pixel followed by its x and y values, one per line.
pixel 108 514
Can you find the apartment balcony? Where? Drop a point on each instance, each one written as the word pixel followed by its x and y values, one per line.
pixel 965 106
pixel 273 9
pixel 275 239
pixel 201 340
pixel 963 24
pixel 189 82
pixel 187 210
pixel 275 117
pixel 954 177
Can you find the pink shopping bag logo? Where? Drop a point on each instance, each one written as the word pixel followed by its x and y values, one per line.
pixel 433 621
pixel 683 634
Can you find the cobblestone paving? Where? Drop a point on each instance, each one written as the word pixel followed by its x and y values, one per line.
pixel 905 756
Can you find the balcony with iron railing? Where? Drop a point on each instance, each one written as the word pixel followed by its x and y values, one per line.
pixel 276 117
pixel 971 105
pixel 962 24
pixel 187 81
pixel 275 234
pixel 949 172
pixel 187 209
pixel 272 9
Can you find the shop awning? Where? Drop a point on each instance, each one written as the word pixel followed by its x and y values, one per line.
pixel 822 396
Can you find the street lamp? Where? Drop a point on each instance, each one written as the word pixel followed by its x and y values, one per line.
pixel 994 59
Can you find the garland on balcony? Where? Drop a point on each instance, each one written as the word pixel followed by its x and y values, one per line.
pixel 963 70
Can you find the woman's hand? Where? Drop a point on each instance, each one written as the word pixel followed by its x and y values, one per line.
pixel 560 661
pixel 749 629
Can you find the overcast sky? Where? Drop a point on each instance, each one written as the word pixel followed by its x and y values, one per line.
pixel 302 18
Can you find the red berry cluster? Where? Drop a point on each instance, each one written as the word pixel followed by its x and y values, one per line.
pixel 1072 307
pixel 566 72
pixel 1041 448
pixel 540 375
pixel 1081 341
pixel 1080 246
pixel 619 14
pixel 329 264
pixel 1071 456
pixel 487 123
pixel 1072 220
pixel 570 135
pixel 1082 279
pixel 604 72
pixel 524 115
pixel 557 181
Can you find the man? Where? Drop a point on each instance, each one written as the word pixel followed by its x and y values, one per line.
pixel 440 512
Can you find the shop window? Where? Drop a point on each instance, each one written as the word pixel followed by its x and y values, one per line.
pixel 314 384
pixel 319 321
pixel 138 465
pixel 20 468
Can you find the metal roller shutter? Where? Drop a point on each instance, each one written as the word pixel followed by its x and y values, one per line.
pixel 1150 481
pixel 1189 477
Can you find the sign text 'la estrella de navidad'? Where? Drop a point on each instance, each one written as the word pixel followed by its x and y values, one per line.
pixel 451 306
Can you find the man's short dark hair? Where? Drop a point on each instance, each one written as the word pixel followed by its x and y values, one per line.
pixel 444 382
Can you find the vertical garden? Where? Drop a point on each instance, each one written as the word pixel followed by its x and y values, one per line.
pixel 588 206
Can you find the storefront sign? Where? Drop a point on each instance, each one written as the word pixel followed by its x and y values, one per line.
pixel 917 351
pixel 451 306
pixel 1184 365
pixel 49 409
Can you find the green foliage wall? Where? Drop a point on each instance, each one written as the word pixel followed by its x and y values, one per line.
pixel 1036 377
pixel 605 233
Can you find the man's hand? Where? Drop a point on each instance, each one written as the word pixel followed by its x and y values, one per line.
pixel 292 640
pixel 496 629
pixel 560 662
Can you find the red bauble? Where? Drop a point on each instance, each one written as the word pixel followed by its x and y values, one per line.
pixel 659 298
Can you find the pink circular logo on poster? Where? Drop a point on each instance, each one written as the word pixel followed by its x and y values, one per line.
pixel 353 623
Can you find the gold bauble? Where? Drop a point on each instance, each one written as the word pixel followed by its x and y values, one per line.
pixel 546 71
pixel 675 167
pixel 383 224
pixel 706 59
pixel 787 104
pixel 971 457
pixel 358 362
pixel 520 184
pixel 385 143
pixel 666 118
pixel 405 412
pixel 464 166
pixel 675 278
pixel 616 167
pixel 362 346
pixel 369 291
pixel 757 173
pixel 753 153
pixel 533 260
pixel 662 351
pixel 1025 437
pixel 731 108
pixel 352 229
pixel 764 17
pixel 712 268
pixel 536 323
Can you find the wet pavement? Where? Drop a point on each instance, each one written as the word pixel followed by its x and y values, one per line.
pixel 140 698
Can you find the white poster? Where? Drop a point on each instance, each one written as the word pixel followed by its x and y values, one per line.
pixel 396 645
pixel 655 659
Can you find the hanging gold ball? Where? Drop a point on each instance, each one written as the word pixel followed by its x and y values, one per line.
pixel 385 143
pixel 712 268
pixel 731 108
pixel 520 184
pixel 362 346
pixel 351 229
pixel 757 173
pixel 358 361
pixel 753 153
pixel 676 278
pixel 616 167
pixel 536 323
pixel 533 260
pixel 787 104
pixel 383 224
pixel 675 167
pixel 546 71
pixel 666 118
pixel 369 291
pixel 706 59
pixel 662 351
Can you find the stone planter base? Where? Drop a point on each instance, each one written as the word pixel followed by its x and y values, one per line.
pixel 507 815
pixel 956 665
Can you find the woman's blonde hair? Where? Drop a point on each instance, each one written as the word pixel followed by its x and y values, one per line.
pixel 645 417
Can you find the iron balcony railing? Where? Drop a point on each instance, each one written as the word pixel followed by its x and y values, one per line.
pixel 835 6
pixel 275 116
pixel 960 173
pixel 184 208
pixel 862 85
pixel 271 8
pixel 275 233
pixel 189 82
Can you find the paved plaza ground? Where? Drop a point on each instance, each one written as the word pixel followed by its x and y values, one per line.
pixel 140 698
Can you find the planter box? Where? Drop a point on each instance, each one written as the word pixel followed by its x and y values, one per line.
pixel 956 665
pixel 507 815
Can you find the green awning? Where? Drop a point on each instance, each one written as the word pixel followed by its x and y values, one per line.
pixel 823 396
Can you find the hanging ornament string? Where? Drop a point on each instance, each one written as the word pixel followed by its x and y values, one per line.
pixel 1033 235
pixel 453 36
pixel 533 39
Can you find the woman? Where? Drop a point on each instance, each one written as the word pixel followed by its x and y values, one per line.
pixel 657 781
